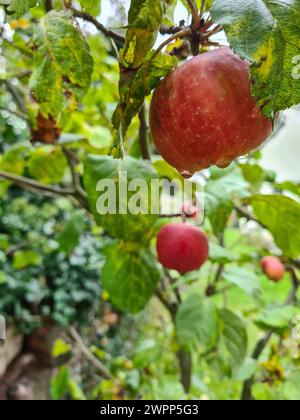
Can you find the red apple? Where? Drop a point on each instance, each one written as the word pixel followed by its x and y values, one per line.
pixel 273 268
pixel 182 247
pixel 203 114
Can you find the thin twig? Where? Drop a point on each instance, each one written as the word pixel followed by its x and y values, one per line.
pixel 16 113
pixel 202 8
pixel 181 34
pixel 73 162
pixel 16 95
pixel 88 18
pixel 105 372
pixel 192 6
pixel 244 213
pixel 259 348
pixel 35 185
pixel 25 51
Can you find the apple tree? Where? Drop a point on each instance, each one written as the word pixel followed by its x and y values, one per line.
pixel 74 109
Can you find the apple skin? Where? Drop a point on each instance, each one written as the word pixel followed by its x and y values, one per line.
pixel 182 247
pixel 273 268
pixel 203 114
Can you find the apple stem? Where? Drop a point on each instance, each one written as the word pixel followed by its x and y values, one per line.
pixel 202 8
pixel 196 19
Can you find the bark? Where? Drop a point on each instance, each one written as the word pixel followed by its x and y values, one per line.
pixel 28 375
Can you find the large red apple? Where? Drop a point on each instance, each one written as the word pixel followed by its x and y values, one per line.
pixel 182 247
pixel 273 268
pixel 203 114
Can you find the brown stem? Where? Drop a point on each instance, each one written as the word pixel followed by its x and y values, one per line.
pixel 192 6
pixel 172 305
pixel 143 130
pixel 202 8
pixel 48 5
pixel 185 364
pixel 259 348
pixel 181 34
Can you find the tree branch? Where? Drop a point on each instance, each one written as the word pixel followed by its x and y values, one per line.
pixel 105 372
pixel 244 213
pixel 107 32
pixel 184 357
pixel 143 135
pixel 34 185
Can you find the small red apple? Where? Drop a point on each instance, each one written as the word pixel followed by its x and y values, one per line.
pixel 182 247
pixel 273 268
pixel 189 210
pixel 203 114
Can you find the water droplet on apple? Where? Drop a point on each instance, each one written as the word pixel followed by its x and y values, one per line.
pixel 245 157
pixel 186 174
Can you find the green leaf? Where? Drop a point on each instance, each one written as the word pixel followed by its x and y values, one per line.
pixel 63 65
pixel 91 7
pixel 134 87
pixel 144 19
pixel 4 242
pixel 60 348
pixel 197 323
pixel 75 391
pixel 246 370
pixel 234 336
pixel 59 383
pixel 69 237
pixel 253 174
pixel 23 259
pixel 218 206
pixel 245 279
pixel 130 227
pixel 47 165
pixel 18 7
pixel 290 186
pixel 278 318
pixel 219 192
pixel 13 160
pixel 130 277
pixel 266 33
pixel 281 215
pixel 220 255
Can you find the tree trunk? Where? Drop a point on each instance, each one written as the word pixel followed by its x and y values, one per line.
pixel 28 376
